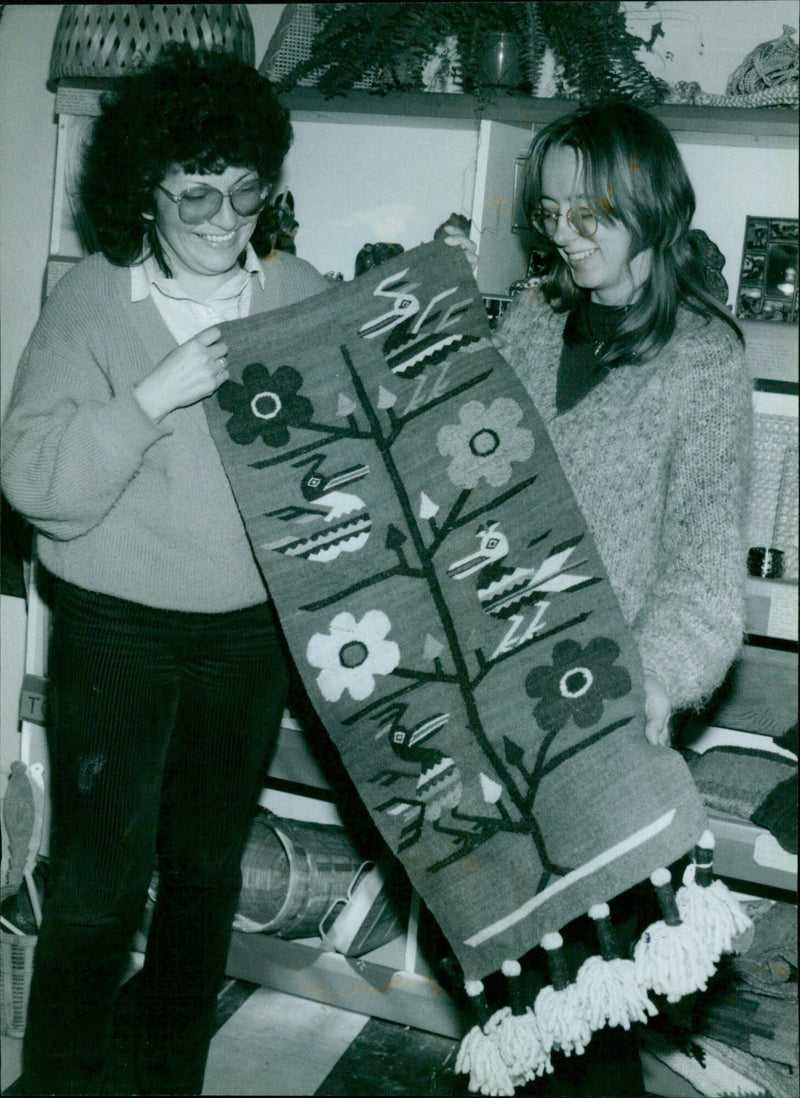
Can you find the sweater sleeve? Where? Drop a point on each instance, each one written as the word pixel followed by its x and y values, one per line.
pixel 692 621
pixel 296 278
pixel 71 443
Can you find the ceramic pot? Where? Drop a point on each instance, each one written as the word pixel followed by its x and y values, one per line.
pixel 499 61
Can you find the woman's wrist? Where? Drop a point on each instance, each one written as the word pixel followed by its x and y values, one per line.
pixel 658 708
pixel 148 401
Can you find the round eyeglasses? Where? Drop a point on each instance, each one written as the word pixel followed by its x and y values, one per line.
pixel 584 221
pixel 199 203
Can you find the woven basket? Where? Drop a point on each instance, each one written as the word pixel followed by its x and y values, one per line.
pixel 291 874
pixel 109 40
pixel 767 66
pixel 782 95
pixel 292 42
pixel 16 970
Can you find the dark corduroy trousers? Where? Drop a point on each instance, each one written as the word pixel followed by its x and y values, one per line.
pixel 161 724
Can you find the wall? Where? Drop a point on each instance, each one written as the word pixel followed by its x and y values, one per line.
pixel 360 184
pixel 28 140
pixel 376 184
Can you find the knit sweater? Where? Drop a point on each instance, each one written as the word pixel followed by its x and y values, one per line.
pixel 123 505
pixel 658 457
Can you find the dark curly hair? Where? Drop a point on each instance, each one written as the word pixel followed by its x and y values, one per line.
pixel 199 110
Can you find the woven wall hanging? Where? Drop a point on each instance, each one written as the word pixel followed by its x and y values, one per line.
pixel 457 634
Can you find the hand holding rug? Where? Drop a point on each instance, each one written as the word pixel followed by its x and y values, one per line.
pixel 446 606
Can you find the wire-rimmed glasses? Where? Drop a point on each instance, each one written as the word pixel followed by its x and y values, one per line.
pixel 584 221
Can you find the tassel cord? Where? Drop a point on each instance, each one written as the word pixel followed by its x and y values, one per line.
pixel 672 958
pixel 610 994
pixel 478 1055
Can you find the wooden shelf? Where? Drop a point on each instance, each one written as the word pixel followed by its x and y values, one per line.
pixel 758 696
pixel 745 852
pixel 772 127
pixel 376 984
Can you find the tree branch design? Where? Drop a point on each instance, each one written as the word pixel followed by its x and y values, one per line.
pixel 513 808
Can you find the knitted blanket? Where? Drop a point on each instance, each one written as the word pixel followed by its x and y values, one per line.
pixel 446 606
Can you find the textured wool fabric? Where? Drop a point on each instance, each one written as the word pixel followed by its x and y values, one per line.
pixel 658 457
pixel 718 1070
pixel 446 606
pixel 122 505
pixel 736 780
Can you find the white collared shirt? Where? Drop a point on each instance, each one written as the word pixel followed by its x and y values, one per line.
pixel 183 315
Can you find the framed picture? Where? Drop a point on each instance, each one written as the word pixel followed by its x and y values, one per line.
pixel 768 275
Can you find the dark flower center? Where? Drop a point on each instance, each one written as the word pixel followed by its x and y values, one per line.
pixel 484 442
pixel 353 654
pixel 265 405
pixel 575 682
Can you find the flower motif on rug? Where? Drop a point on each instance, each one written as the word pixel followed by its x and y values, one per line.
pixel 264 405
pixel 576 684
pixel 485 443
pixel 352 653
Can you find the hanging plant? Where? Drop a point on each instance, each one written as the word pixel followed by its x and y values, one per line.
pixel 389 46
pixel 384 44
pixel 596 54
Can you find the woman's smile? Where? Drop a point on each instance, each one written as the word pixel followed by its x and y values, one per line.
pixel 203 255
pixel 217 239
pixel 600 264
pixel 578 257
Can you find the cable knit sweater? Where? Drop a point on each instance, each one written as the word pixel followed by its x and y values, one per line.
pixel 123 505
pixel 658 457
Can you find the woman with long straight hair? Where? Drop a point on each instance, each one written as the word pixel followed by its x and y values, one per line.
pixel 639 374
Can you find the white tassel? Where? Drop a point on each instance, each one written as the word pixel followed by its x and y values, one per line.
pixel 671 957
pixel 607 984
pixel 558 1009
pixel 709 905
pixel 478 1055
pixel 517 1034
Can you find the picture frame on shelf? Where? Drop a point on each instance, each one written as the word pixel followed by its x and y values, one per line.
pixel 768 273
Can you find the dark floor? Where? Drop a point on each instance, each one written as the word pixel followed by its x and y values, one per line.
pixel 391 1059
pixel 383 1058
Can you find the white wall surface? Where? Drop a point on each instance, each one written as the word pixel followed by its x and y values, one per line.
pixel 368 183
pixel 358 184
pixel 732 183
pixel 28 143
pixel 706 40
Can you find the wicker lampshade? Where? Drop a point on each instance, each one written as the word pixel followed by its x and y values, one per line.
pixel 110 40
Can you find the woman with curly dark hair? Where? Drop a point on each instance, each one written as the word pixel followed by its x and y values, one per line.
pixel 167 676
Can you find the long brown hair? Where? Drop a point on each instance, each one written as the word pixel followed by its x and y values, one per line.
pixel 634 174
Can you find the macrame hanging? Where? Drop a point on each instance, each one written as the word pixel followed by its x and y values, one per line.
pixel 769 65
pixel 768 77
